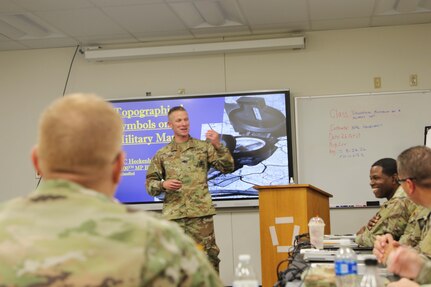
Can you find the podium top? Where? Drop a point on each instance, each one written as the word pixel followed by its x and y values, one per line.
pixel 291 186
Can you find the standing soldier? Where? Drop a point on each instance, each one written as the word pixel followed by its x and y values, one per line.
pixel 179 170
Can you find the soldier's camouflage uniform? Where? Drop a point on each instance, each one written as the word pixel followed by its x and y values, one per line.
pixel 393 215
pixel 425 244
pixel 192 205
pixel 65 235
pixel 424 276
pixel 416 229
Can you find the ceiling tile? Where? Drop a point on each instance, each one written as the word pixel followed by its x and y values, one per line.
pixel 145 18
pixel 49 43
pixel 82 22
pixel 258 12
pixel 232 10
pixel 4 38
pixel 96 22
pixel 339 9
pixel 19 26
pixel 105 3
pixel 11 45
pixel 385 6
pixel 407 6
pixel 49 5
pixel 7 6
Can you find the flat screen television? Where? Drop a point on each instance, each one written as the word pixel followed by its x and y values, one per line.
pixel 254 126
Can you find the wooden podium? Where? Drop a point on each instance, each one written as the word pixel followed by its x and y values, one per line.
pixel 284 212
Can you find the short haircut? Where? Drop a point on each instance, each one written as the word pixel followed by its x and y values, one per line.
pixel 415 162
pixel 79 130
pixel 176 109
pixel 388 165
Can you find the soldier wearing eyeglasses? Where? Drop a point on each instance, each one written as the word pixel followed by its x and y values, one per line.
pixel 414 171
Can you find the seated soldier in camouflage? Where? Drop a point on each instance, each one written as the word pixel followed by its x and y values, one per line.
pixel 415 235
pixel 71 232
pixel 394 214
pixel 417 230
pixel 414 171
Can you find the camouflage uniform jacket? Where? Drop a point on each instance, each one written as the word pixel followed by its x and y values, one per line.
pixel 188 162
pixel 417 228
pixel 65 235
pixel 424 276
pixel 394 215
pixel 425 244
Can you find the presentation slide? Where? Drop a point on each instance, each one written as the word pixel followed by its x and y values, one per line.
pixel 252 126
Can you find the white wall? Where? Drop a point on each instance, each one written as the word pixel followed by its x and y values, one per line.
pixel 334 62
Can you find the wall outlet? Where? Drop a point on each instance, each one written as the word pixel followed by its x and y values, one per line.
pixel 413 80
pixel 377 82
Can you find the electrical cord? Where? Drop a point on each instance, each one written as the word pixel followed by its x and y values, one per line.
pixel 70 69
pixel 64 90
pixel 296 264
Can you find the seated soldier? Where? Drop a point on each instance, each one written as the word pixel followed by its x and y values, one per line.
pixel 394 214
pixel 71 232
pixel 414 171
pixel 417 230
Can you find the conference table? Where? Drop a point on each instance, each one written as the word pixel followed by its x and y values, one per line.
pixel 320 267
pixel 317 266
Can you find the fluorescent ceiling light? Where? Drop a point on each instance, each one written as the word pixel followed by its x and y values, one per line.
pixel 195 49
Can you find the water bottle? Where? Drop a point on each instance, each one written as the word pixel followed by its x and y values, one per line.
pixel 371 274
pixel 346 265
pixel 244 273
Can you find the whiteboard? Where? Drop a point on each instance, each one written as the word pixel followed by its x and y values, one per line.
pixel 339 137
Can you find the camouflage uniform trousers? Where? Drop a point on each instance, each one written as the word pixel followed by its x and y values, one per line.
pixel 201 229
